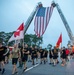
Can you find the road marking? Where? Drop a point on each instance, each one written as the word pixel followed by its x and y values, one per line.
pixel 31 67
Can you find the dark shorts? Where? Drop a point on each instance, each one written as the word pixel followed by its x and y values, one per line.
pixel 2 58
pixel 36 56
pixel 55 57
pixel 63 56
pixel 71 54
pixel 41 56
pixel 50 56
pixel 24 59
pixel 33 57
pixel 14 60
pixel 45 55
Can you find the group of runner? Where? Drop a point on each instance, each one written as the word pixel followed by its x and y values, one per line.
pixel 23 53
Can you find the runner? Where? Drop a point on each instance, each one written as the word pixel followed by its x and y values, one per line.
pixel 25 56
pixel 33 55
pixel 41 55
pixel 63 56
pixel 29 55
pixel 15 53
pixel 20 56
pixel 55 56
pixel 36 54
pixel 3 52
pixel 51 57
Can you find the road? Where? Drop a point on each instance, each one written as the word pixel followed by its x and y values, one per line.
pixel 43 69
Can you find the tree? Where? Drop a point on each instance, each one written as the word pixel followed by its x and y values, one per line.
pixel 37 40
pixel 27 39
pixel 31 39
pixel 2 36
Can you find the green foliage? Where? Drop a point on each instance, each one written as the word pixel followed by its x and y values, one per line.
pixel 30 39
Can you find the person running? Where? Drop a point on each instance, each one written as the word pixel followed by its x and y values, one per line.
pixel 7 55
pixel 33 55
pixel 36 54
pixel 25 56
pixel 67 54
pixel 20 56
pixel 15 53
pixel 29 55
pixel 3 52
pixel 45 54
pixel 63 56
pixel 41 55
pixel 51 57
pixel 55 56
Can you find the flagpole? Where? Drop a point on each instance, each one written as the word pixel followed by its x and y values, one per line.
pixel 15 41
pixel 23 43
pixel 23 35
pixel 61 42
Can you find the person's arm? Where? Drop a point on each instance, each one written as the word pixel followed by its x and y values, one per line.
pixel 7 50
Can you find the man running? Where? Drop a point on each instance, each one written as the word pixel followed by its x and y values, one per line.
pixel 2 57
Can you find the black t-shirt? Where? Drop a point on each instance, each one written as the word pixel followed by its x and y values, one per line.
pixel 36 50
pixel 2 50
pixel 63 52
pixel 33 53
pixel 30 51
pixel 55 52
pixel 25 52
pixel 41 52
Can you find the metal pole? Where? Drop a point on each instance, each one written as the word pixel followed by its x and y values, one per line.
pixel 30 18
pixel 70 34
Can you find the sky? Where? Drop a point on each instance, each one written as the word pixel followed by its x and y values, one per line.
pixel 14 12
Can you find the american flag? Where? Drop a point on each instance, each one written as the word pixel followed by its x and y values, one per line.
pixel 42 19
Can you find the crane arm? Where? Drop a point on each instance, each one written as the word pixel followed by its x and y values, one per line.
pixel 70 34
pixel 30 18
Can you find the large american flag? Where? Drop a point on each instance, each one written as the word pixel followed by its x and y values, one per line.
pixel 42 19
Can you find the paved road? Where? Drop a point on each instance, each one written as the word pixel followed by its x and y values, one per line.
pixel 44 69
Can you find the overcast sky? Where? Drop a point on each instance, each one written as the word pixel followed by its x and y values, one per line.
pixel 14 12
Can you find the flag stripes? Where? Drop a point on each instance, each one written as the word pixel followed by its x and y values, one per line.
pixel 42 19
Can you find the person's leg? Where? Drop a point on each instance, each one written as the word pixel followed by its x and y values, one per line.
pixel 3 67
pixel 44 60
pixel 25 66
pixel 54 61
pixel 36 59
pixel 0 65
pixel 20 63
pixel 16 69
pixel 29 58
pixel 63 62
pixel 13 70
pixel 41 60
pixel 14 62
pixel 33 62
pixel 51 61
